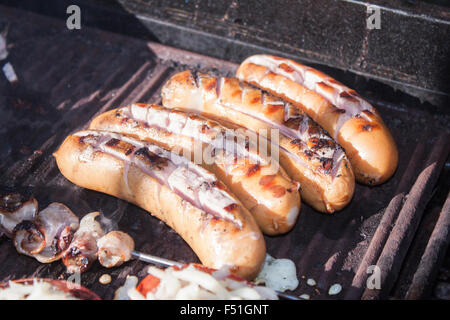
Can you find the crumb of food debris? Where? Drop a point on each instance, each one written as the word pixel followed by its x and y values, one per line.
pixel 311 282
pixel 335 289
pixel 9 72
pixel 305 296
pixel 105 279
pixel 317 291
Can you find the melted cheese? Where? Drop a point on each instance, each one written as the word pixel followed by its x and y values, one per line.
pixel 278 274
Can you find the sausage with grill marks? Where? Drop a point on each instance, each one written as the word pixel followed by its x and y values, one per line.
pixel 239 165
pixel 183 195
pixel 352 121
pixel 306 152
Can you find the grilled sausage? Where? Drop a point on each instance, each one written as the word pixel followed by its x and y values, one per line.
pixel 183 195
pixel 242 169
pixel 306 152
pixel 351 120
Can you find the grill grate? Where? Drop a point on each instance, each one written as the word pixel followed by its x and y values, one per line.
pixel 67 77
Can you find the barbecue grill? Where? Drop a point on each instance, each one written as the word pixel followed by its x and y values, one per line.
pixel 126 50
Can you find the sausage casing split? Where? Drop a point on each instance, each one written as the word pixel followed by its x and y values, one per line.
pixel 185 196
pixel 274 205
pixel 351 120
pixel 306 152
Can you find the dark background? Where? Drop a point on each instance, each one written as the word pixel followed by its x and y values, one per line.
pixel 410 52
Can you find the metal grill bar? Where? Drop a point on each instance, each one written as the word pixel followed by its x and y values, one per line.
pixel 435 250
pixel 408 220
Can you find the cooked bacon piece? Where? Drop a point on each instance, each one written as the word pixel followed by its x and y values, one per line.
pixel 114 248
pixel 82 252
pixel 48 235
pixel 14 208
